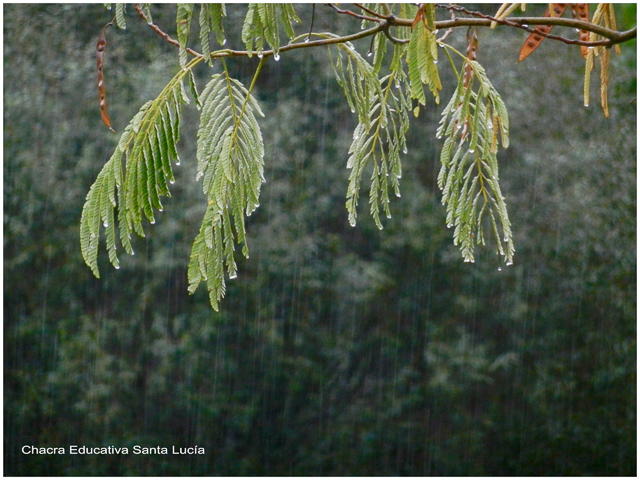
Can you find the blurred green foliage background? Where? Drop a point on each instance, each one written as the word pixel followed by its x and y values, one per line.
pixel 338 350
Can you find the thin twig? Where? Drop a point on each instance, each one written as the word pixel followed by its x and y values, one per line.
pixel 370 12
pixel 161 33
pixel 449 30
pixel 353 14
pixel 313 17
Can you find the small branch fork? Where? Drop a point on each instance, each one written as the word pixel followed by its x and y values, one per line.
pixel 384 22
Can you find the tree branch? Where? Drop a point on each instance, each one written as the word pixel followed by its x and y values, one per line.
pixel 612 37
pixel 353 14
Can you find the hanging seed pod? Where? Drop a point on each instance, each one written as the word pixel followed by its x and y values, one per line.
pixel 536 37
pixel 102 95
pixel 472 52
pixel 580 11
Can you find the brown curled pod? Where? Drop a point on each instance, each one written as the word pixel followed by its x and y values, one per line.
pixel 580 11
pixel 537 36
pixel 102 94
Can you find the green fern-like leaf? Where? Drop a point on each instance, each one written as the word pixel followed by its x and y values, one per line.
pixel 147 146
pixel 382 106
pixel 230 163
pixel 472 123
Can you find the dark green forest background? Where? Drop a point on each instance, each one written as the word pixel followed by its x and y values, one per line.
pixel 337 350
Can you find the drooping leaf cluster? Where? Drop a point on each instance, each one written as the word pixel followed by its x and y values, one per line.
pixel 474 123
pixel 147 146
pixel 263 22
pixel 230 162
pixel 380 91
pixel 382 105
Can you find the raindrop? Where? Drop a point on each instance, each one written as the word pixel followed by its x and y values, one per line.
pixel 525 25
pixel 439 136
pixel 276 57
pixel 435 32
pixel 177 161
pixel 399 176
pixel 233 275
pixel 306 40
pixel 117 267
pixel 172 182
pixel 506 239
pixel 152 221
pixel 132 252
pixel 356 137
pixel 435 61
pixel 398 194
pixel 404 150
pixel 509 263
pixel 577 30
pixel 471 150
pixel 160 210
pixel 449 225
pixel 441 45
pixel 353 111
pixel 591 48
pixel 352 222
pixel 499 269
pixel 260 54
pixel 388 215
pixel 586 104
pixel 369 53
pixel 224 42
pixel 105 224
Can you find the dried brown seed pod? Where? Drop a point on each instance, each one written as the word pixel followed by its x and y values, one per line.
pixel 102 95
pixel 580 11
pixel 533 41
